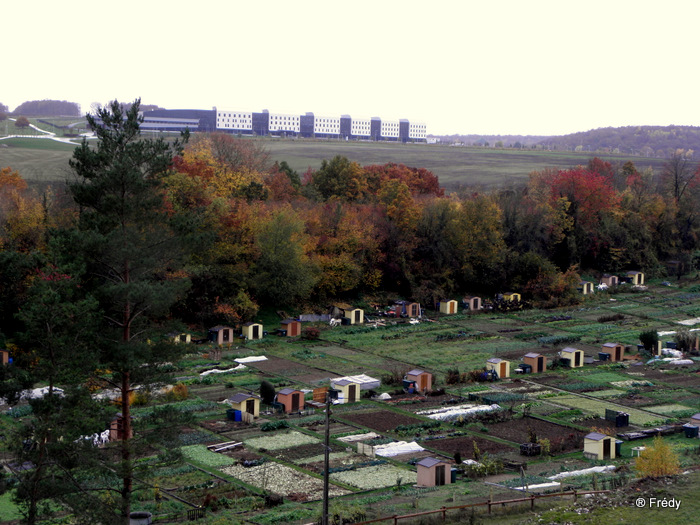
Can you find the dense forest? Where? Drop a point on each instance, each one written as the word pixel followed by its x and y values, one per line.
pixel 269 236
pixel 152 235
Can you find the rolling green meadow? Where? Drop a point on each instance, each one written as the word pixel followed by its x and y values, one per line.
pixel 456 166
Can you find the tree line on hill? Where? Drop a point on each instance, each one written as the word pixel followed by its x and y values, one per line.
pixel 150 236
pixel 644 141
pixel 277 237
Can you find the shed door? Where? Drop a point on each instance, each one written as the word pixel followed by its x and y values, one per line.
pixel 540 363
pixel 295 401
pixel 618 354
pixel 352 392
pixel 577 358
pixel 250 406
pixel 452 310
pixel 476 303
pixel 225 335
pixel 606 448
pixel 357 316
pixel 256 332
pixel 440 475
pixel 502 372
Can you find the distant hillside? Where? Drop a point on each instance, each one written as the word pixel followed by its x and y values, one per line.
pixel 645 141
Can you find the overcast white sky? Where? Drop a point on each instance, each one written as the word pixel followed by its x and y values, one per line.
pixel 508 67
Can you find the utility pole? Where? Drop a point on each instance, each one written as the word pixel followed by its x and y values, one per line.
pixel 326 459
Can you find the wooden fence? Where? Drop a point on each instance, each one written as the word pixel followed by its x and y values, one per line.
pixel 488 503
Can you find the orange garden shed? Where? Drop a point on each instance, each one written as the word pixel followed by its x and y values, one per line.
pixel 616 351
pixel 433 472
pixel 538 362
pixel 291 399
pixel 292 326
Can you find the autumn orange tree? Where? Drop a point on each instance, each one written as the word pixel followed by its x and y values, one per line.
pixel 657 460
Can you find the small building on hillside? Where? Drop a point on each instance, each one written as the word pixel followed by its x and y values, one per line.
pixel 345 390
pixel 405 309
pixel 598 446
pixel 422 380
pixel 609 280
pixel 354 315
pixel 500 366
pixel 586 287
pixel 117 428
pixel 432 472
pixel 291 327
pixel 448 306
pixel 221 334
pixel 472 303
pixel 180 337
pixel 695 419
pixel 635 278
pixel 537 362
pixel 513 297
pixel 615 350
pixel 573 356
pixel 291 399
pixel 252 331
pixel 245 402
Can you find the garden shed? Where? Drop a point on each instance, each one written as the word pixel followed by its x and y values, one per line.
pixel 116 428
pixel 405 309
pixel 291 399
pixel 513 297
pixel 291 327
pixel 346 391
pixel 180 337
pixel 585 287
pixel 433 472
pixel 248 403
pixel 423 380
pixel 616 351
pixel 609 280
pixel 695 419
pixel 448 306
pixel 252 331
pixel 538 362
pixel 472 303
pixel 221 334
pixel 635 278
pixel 598 446
pixel 500 366
pixel 354 315
pixel 573 355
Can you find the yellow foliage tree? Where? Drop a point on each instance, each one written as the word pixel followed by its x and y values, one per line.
pixel 657 460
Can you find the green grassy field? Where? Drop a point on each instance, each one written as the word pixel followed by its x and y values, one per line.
pixel 47 160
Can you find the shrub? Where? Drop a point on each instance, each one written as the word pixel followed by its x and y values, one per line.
pixel 657 460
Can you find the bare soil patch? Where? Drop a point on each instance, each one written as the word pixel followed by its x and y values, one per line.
pixel 561 438
pixel 381 420
pixel 465 446
pixel 293 370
